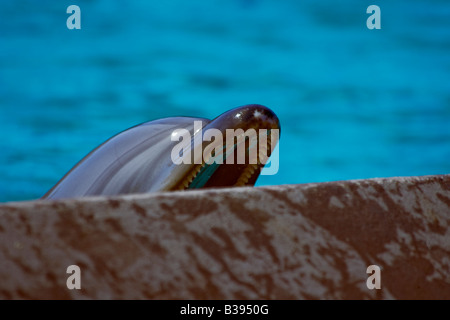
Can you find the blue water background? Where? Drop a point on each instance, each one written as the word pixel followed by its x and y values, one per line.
pixel 353 103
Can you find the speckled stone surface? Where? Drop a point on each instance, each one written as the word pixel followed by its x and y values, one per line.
pixel 312 241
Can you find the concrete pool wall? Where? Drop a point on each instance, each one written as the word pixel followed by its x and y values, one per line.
pixel 310 241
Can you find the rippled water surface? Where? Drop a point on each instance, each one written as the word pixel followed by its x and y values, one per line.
pixel 353 102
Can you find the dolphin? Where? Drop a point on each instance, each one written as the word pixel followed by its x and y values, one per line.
pixel 150 157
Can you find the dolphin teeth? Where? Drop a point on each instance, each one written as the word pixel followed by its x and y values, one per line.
pixel 246 175
pixel 191 176
pixel 195 172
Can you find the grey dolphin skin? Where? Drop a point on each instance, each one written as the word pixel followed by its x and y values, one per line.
pixel 140 159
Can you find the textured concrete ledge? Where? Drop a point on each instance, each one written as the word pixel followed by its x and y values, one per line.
pixel 310 241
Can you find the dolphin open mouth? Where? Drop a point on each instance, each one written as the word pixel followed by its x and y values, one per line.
pixel 244 139
pixel 213 173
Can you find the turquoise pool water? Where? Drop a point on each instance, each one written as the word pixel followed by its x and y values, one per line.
pixel 353 102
